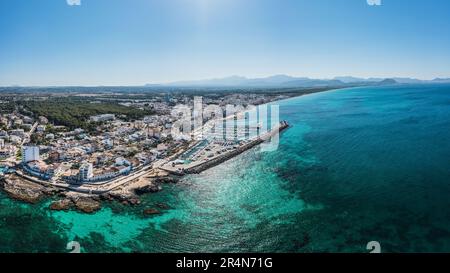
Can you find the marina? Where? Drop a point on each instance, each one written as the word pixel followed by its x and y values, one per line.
pixel 209 153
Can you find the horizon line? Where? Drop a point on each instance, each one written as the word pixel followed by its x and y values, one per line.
pixel 166 83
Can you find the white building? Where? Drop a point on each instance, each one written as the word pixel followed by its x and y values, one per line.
pixel 18 122
pixel 15 139
pixel 40 128
pixel 104 117
pixel 3 134
pixel 86 171
pixel 17 132
pixel 78 131
pixel 27 119
pixel 30 153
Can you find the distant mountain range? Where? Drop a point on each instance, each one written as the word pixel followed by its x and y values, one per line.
pixel 289 81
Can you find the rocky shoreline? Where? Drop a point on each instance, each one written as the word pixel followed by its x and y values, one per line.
pixel 26 191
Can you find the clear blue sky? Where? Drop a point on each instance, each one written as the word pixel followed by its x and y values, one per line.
pixel 133 42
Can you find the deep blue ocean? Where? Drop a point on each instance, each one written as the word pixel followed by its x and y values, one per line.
pixel 357 165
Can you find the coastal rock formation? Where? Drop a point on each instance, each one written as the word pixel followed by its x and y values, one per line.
pixel 124 197
pixel 150 188
pixel 162 206
pixel 87 205
pixel 134 201
pixel 51 191
pixel 166 180
pixel 23 190
pixel 32 192
pixel 151 211
pixel 106 197
pixel 64 204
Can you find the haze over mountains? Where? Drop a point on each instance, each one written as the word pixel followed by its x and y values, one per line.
pixel 289 81
pixel 276 81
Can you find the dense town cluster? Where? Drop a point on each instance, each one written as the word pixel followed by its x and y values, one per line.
pixel 34 146
pixel 77 157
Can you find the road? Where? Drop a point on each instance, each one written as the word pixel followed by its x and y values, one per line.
pixel 27 137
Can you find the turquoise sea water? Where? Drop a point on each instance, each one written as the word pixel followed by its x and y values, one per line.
pixel 357 165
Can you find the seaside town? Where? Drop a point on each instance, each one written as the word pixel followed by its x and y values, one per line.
pixel 118 158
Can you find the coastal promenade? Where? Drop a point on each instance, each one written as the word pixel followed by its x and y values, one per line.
pixel 94 188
